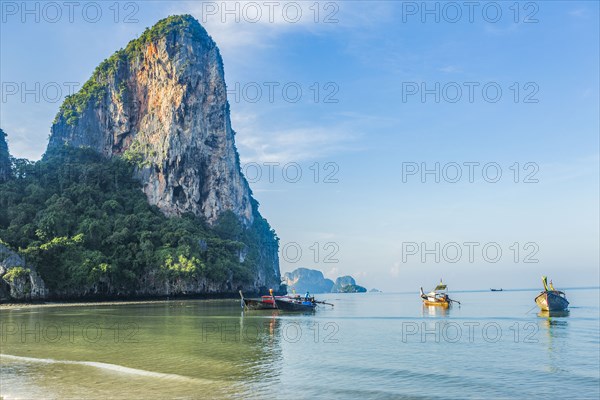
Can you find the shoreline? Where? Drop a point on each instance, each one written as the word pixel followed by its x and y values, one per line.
pixel 13 306
pixel 98 301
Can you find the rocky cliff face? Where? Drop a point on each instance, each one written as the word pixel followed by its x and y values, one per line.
pixel 4 158
pixel 161 102
pixel 18 280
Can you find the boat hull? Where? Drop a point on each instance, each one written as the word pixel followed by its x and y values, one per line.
pixel 294 306
pixel 444 304
pixel 548 301
pixel 258 304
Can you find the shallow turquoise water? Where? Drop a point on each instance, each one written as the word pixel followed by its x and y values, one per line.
pixel 374 345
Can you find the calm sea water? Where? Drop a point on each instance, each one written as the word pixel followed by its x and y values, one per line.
pixel 375 345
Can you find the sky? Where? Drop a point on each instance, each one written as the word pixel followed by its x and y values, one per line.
pixel 397 142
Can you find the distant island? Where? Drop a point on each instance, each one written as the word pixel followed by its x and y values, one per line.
pixel 311 280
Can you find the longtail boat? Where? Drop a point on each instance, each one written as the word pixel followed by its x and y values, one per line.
pixel 286 303
pixel 296 303
pixel 438 296
pixel 496 290
pixel 551 299
pixel 262 303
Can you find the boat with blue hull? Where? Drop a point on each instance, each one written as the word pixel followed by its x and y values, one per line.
pixel 551 299
pixel 286 303
pixel 296 304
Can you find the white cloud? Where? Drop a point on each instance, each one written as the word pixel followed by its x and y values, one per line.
pixel 249 25
pixel 574 169
pixel 395 270
pixel 243 24
pixel 497 30
pixel 333 273
pixel 579 13
pixel 449 69
pixel 22 144
pixel 257 143
pixel 360 274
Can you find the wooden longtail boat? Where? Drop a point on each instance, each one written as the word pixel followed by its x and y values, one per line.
pixel 551 299
pixel 296 304
pixel 287 303
pixel 263 303
pixel 438 296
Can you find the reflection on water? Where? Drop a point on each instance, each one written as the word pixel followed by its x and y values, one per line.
pixel 435 311
pixel 554 320
pixel 553 314
pixel 556 328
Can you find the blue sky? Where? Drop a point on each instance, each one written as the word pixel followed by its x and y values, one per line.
pixel 367 57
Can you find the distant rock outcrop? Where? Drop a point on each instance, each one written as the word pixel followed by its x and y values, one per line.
pixel 347 284
pixel 307 280
pixel 311 280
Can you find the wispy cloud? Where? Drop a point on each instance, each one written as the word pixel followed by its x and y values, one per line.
pixel 258 143
pixel 395 270
pixel 244 24
pixel 558 172
pixel 496 30
pixel 333 273
pixel 450 69
pixel 579 13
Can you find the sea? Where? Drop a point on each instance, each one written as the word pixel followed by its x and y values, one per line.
pixel 366 346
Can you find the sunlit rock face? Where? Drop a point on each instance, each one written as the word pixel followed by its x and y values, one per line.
pixel 162 103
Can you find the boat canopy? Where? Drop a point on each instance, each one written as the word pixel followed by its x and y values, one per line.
pixel 441 286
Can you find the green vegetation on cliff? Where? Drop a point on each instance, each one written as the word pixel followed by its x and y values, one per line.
pixel 4 157
pixel 83 221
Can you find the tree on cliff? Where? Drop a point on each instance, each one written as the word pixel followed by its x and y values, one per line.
pixel 4 157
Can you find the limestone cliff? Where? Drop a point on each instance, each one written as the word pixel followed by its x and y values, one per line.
pixel 161 102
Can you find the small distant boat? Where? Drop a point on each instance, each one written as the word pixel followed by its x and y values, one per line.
pixel 438 296
pixel 551 299
pixel 496 290
pixel 262 303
